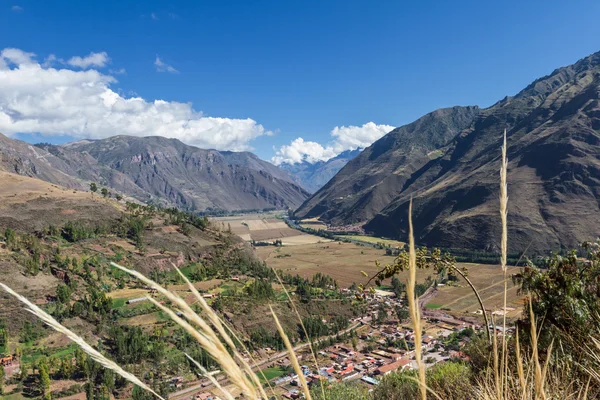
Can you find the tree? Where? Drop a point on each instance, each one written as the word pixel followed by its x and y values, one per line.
pixel 565 296
pixel 93 188
pixel 2 377
pixel 140 394
pixel 66 368
pixel 3 337
pixel 397 286
pixel 108 380
pixel 104 192
pixel 44 384
pixel 89 391
pixel 118 197
pixel 63 294
pixel 381 314
pixel 11 239
pixel 402 313
pixel 354 343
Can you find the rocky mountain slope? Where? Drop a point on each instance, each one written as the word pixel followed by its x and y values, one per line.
pixel 158 169
pixel 375 177
pixel 313 176
pixel 553 129
pixel 25 159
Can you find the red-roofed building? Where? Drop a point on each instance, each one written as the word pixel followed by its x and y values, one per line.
pixel 347 370
pixel 386 369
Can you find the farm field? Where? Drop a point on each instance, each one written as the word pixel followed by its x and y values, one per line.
pixel 374 240
pixel 266 228
pixel 345 261
pixel 313 223
pixel 342 261
pixel 488 279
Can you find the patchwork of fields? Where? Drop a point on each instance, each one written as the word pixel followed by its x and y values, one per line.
pixel 267 228
pixel 306 255
pixel 342 261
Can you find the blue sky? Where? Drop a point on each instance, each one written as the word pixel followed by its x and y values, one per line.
pixel 261 74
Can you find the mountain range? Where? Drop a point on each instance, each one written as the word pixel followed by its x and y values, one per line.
pixel 313 176
pixel 448 162
pixel 157 169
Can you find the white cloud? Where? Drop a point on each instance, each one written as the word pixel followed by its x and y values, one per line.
pixel 119 71
pixel 163 67
pixel 154 16
pixel 81 103
pixel 49 61
pixel 17 9
pixel 300 150
pixel 92 60
pixel 344 138
pixel 16 57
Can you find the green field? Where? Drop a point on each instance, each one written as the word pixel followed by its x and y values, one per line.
pixel 271 373
pixel 373 240
pixel 60 353
pixel 118 303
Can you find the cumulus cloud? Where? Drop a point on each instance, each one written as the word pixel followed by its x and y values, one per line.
pixel 300 150
pixel 16 57
pixel 343 138
pixel 98 60
pixel 82 104
pixel 164 67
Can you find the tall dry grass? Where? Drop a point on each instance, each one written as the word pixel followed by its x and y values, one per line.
pixel 413 303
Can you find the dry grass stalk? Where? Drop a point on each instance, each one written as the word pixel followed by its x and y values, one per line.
pixel 520 370
pixel 210 377
pixel 93 353
pixel 495 354
pixel 538 376
pixel 209 338
pixel 292 354
pixel 504 251
pixel 232 370
pixel 413 304
pixel 235 336
pixel 312 352
pixel 216 322
pixel 504 205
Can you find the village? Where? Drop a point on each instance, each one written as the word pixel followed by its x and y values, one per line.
pixel 378 345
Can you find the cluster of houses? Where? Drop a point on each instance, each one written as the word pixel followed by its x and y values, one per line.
pixel 205 396
pixel 382 349
pixel 379 353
